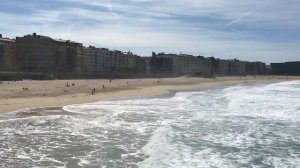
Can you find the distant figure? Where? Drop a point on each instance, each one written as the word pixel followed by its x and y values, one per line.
pixel 94 90
pixel 109 80
pixel 73 84
pixel 103 87
pixel 67 85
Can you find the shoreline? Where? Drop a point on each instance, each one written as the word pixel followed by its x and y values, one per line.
pixel 120 90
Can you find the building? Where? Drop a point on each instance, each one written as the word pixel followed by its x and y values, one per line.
pixel 219 67
pixel 287 68
pixel 141 65
pixel 160 63
pixel 117 61
pixel 237 67
pixel 99 63
pixel 255 68
pixel 36 53
pixel 41 54
pixel 8 61
pixel 241 68
pixel 148 64
pixel 203 66
pixel 223 67
pixel 102 60
pixel 89 59
pixel 133 62
pixel 180 64
pixel 260 68
pixel 186 65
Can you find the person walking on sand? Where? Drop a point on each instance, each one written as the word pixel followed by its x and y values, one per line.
pixel 103 87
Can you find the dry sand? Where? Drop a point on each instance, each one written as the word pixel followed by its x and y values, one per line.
pixel 14 96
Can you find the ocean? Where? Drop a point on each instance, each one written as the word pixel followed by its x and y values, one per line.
pixel 255 126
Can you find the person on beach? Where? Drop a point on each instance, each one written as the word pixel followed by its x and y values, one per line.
pixel 103 87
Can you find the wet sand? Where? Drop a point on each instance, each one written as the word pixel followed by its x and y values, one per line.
pixel 32 94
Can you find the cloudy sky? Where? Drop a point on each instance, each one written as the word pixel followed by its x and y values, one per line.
pixel 250 30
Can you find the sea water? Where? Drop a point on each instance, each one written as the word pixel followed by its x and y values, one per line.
pixel 239 126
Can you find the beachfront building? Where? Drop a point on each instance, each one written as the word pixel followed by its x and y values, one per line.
pixel 70 56
pixel 204 66
pixel 89 59
pixel 131 61
pixel 102 60
pixel 286 68
pixel 161 64
pixel 99 60
pixel 141 64
pixel 260 68
pixel 219 67
pixel 237 67
pixel 147 65
pixel 242 68
pixel 255 68
pixel 117 61
pixel 36 53
pixel 223 67
pixel 180 64
pixel 7 54
pixel 186 64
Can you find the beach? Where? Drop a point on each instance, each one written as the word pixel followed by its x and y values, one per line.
pixel 57 93
pixel 254 122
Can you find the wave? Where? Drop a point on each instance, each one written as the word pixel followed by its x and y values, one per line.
pixel 237 126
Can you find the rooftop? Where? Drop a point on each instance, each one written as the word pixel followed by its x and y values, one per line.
pixel 7 40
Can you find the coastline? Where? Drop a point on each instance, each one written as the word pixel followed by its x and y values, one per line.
pixel 55 94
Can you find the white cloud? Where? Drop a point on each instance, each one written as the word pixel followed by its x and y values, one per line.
pixel 206 27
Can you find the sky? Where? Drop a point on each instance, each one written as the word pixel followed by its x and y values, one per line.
pixel 250 30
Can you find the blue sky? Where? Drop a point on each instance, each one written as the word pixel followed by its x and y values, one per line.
pixel 252 30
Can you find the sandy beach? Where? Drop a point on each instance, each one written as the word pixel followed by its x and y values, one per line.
pixel 32 94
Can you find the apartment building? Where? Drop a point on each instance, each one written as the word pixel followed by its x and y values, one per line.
pixel 89 59
pixel 181 64
pixel 8 61
pixel 37 53
pixel 286 68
